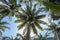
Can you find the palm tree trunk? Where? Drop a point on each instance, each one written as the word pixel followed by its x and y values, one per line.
pixel 56 37
pixel 27 37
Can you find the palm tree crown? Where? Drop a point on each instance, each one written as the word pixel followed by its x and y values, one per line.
pixel 30 16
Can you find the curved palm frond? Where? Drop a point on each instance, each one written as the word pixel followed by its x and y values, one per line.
pixel 22 25
pixel 3 26
pixel 34 29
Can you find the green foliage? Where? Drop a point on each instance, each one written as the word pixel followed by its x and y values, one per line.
pixel 52 7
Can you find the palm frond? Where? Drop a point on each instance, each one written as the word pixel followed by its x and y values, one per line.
pixel 4 1
pixel 0 33
pixel 6 27
pixel 25 30
pixel 39 10
pixel 2 28
pixel 24 11
pixel 41 22
pixel 31 5
pixel 18 21
pixel 34 29
pixel 14 2
pixel 4 11
pixel 3 23
pixel 38 26
pixel 22 25
pixel 34 9
pixel 40 16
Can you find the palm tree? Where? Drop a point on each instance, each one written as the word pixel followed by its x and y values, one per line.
pixel 3 26
pixel 30 19
pixel 53 27
pixel 9 8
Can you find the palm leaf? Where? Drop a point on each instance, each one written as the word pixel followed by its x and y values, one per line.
pixel 6 27
pixel 3 23
pixel 4 11
pixel 31 5
pixel 22 25
pixel 41 22
pixel 34 9
pixel 24 11
pixel 25 30
pixel 38 26
pixel 14 2
pixel 2 7
pixel 39 10
pixel 2 28
pixel 0 33
pixel 4 1
pixel 34 29
pixel 40 16
pixel 18 21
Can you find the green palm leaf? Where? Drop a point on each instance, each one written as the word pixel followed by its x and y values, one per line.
pixel 2 28
pixel 24 11
pixel 34 9
pixel 39 10
pixel 0 33
pixel 3 23
pixel 14 2
pixel 31 5
pixel 41 22
pixel 22 25
pixel 18 21
pixel 40 16
pixel 25 30
pixel 34 29
pixel 38 26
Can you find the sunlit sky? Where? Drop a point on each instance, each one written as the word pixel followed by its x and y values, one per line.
pixel 13 26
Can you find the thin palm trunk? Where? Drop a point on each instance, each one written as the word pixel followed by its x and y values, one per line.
pixel 27 37
pixel 56 37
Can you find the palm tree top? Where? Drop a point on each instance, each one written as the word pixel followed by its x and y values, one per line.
pixel 30 15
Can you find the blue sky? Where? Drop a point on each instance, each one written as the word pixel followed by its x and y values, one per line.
pixel 13 27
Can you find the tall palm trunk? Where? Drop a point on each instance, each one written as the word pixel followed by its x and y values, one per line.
pixel 27 37
pixel 56 37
